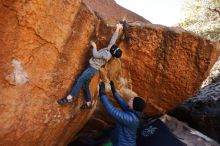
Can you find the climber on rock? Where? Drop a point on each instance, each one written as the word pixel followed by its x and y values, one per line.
pixel 100 58
pixel 127 119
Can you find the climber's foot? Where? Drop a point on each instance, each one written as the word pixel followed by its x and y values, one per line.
pixel 88 105
pixel 66 99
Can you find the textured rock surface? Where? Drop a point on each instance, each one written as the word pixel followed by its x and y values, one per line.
pixel 109 11
pixel 167 65
pixel 186 134
pixel 38 48
pixel 214 74
pixel 203 111
pixel 163 66
pixel 44 47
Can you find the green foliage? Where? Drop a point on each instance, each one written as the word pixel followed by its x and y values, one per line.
pixel 202 17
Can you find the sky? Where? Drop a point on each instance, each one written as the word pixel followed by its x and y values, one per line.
pixel 165 12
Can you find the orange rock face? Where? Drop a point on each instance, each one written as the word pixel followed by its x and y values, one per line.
pixel 109 11
pixel 167 65
pixel 164 65
pixel 44 47
pixel 40 57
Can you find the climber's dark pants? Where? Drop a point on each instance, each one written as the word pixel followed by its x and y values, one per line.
pixel 84 80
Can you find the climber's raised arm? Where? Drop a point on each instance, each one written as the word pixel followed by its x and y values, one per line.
pixel 115 35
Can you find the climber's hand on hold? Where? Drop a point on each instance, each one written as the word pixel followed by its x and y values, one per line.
pixel 123 22
pixel 93 44
pixel 119 27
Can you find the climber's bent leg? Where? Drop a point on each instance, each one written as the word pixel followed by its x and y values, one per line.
pixel 89 102
pixel 87 74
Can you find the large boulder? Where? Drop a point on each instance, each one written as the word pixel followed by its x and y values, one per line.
pixel 109 11
pixel 38 48
pixel 186 134
pixel 44 47
pixel 214 74
pixel 160 64
pixel 202 111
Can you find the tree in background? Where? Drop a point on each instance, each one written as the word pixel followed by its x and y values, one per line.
pixel 202 17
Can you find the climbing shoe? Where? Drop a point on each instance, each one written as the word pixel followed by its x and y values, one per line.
pixel 86 106
pixel 65 100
